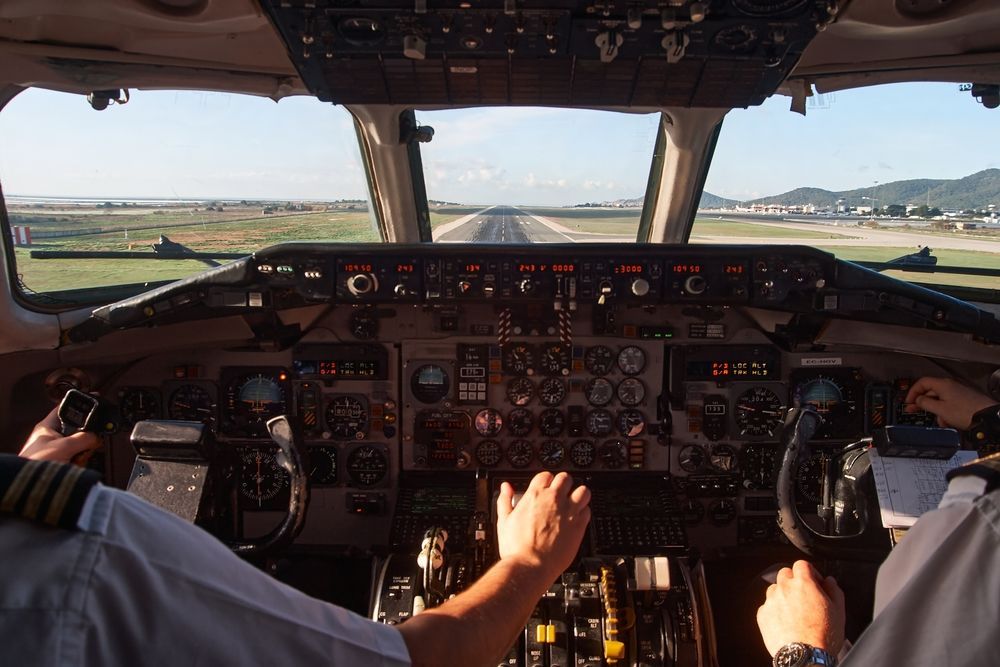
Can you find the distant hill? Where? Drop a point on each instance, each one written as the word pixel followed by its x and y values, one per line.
pixel 972 192
pixel 708 200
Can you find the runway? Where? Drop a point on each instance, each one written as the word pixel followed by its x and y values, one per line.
pixel 505 224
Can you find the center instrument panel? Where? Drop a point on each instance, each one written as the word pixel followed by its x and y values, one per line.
pixel 640 373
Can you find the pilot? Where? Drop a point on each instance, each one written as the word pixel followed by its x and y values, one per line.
pixel 937 595
pixel 113 580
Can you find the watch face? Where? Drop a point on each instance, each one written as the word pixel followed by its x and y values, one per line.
pixel 793 655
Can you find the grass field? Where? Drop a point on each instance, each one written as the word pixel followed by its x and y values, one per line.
pixel 444 214
pixel 611 221
pixel 962 258
pixel 705 227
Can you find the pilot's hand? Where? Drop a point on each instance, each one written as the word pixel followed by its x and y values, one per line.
pixel 544 530
pixel 47 443
pixel 802 607
pixel 952 402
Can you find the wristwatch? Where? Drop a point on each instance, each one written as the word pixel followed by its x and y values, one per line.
pixel 985 427
pixel 798 654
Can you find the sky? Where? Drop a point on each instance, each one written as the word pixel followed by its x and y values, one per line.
pixel 192 145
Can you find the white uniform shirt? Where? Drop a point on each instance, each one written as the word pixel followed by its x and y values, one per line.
pixel 937 597
pixel 138 586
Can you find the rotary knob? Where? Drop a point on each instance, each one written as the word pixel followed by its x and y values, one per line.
pixel 695 285
pixel 640 287
pixel 526 286
pixel 362 283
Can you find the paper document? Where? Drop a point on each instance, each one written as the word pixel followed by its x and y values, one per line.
pixel 909 487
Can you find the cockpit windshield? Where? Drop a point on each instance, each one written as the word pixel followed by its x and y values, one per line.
pixel 536 175
pixel 99 199
pixel 899 176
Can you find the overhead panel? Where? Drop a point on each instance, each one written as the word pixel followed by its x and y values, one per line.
pixel 712 53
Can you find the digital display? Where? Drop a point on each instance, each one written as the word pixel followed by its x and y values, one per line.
pixel 734 269
pixel 687 268
pixel 347 368
pixel 525 267
pixel 442 423
pixel 405 268
pixel 357 267
pixel 727 363
pixel 473 268
pixel 340 362
pixel 441 500
pixel 628 268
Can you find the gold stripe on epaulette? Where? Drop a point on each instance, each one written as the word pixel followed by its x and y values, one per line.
pixel 990 460
pixel 17 487
pixel 62 495
pixel 39 490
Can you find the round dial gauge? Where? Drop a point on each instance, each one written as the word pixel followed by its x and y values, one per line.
pixel 519 359
pixel 261 479
pixel 488 422
pixel 552 391
pixel 555 359
pixel 582 453
pixel 367 465
pixel 630 423
pixel 722 511
pixel 191 402
pixel 520 391
pixel 599 391
pixel 488 453
pixel 551 453
pixel 323 465
pixel 631 360
pixel 429 383
pixel 138 404
pixel 833 397
pixel 520 453
pixel 598 360
pixel 631 391
pixel 551 422
pixel 613 453
pixel 822 393
pixel 693 511
pixel 691 458
pixel 520 421
pixel 347 418
pixel 758 412
pixel 760 465
pixel 809 479
pixel 253 399
pixel 723 458
pixel 599 423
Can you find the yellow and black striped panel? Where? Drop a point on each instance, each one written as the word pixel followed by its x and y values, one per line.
pixel 52 493
pixel 987 468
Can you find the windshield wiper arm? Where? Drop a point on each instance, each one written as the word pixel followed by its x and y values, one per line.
pixel 165 249
pixel 924 262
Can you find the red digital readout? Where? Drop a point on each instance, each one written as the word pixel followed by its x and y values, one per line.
pixel 628 268
pixel 473 268
pixel 687 268
pixel 739 369
pixel 563 268
pixel 734 268
pixel 356 268
pixel 405 268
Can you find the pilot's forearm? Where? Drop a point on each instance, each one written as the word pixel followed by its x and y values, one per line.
pixel 478 626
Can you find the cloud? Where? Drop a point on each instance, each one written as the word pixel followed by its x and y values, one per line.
pixel 883 165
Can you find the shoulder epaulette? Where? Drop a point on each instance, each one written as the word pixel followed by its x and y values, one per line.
pixel 51 493
pixel 986 468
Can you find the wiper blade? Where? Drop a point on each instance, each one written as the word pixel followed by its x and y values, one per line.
pixel 924 262
pixel 164 249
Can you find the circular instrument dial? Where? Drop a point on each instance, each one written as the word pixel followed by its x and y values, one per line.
pixel 367 465
pixel 520 421
pixel 519 359
pixel 323 465
pixel 809 479
pixel 191 402
pixel 723 458
pixel 582 453
pixel 631 360
pixel 631 423
pixel 599 423
pixel 261 479
pixel 520 453
pixel 631 391
pixel 555 359
pixel 520 391
pixel 599 391
pixel 552 391
pixel 613 453
pixel 347 418
pixel 488 453
pixel 551 453
pixel 599 360
pixel 693 511
pixel 139 404
pixel 551 422
pixel 251 400
pixel 823 394
pixel 722 511
pixel 834 397
pixel 488 422
pixel 758 412
pixel 429 383
pixel 691 458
